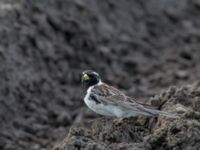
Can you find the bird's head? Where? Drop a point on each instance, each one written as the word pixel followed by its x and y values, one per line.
pixel 90 78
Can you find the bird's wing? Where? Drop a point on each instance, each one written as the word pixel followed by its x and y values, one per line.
pixel 109 95
pixel 147 106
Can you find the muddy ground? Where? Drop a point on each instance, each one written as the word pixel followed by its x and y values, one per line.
pixel 143 133
pixel 142 47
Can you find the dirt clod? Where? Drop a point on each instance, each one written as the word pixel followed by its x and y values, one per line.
pixel 157 133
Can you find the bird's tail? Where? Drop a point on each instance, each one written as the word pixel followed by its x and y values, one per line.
pixel 154 112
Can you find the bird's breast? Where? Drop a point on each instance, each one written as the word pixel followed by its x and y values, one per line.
pixel 102 109
pixel 97 107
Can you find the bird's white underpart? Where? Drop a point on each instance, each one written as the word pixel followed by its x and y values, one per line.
pixel 106 110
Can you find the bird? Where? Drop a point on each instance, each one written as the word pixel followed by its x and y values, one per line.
pixel 108 101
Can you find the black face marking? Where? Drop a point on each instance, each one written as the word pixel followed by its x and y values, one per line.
pixel 93 78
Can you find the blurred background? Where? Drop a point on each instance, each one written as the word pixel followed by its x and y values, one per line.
pixel 139 46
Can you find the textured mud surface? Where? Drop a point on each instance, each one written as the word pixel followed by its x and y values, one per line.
pixel 145 133
pixel 142 47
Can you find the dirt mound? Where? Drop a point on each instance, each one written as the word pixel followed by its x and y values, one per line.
pixel 145 133
pixel 140 46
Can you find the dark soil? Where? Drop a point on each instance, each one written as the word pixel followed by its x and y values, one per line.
pixel 139 46
pixel 144 133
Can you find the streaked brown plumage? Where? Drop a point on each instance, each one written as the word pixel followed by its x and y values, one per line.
pixel 109 101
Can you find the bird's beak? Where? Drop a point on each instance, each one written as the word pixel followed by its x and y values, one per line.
pixel 85 77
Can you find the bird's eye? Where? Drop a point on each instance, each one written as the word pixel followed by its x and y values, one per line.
pixel 86 77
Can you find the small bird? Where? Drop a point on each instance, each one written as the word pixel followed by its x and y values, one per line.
pixel 109 101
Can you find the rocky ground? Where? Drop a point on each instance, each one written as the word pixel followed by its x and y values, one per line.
pixel 142 47
pixel 143 133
